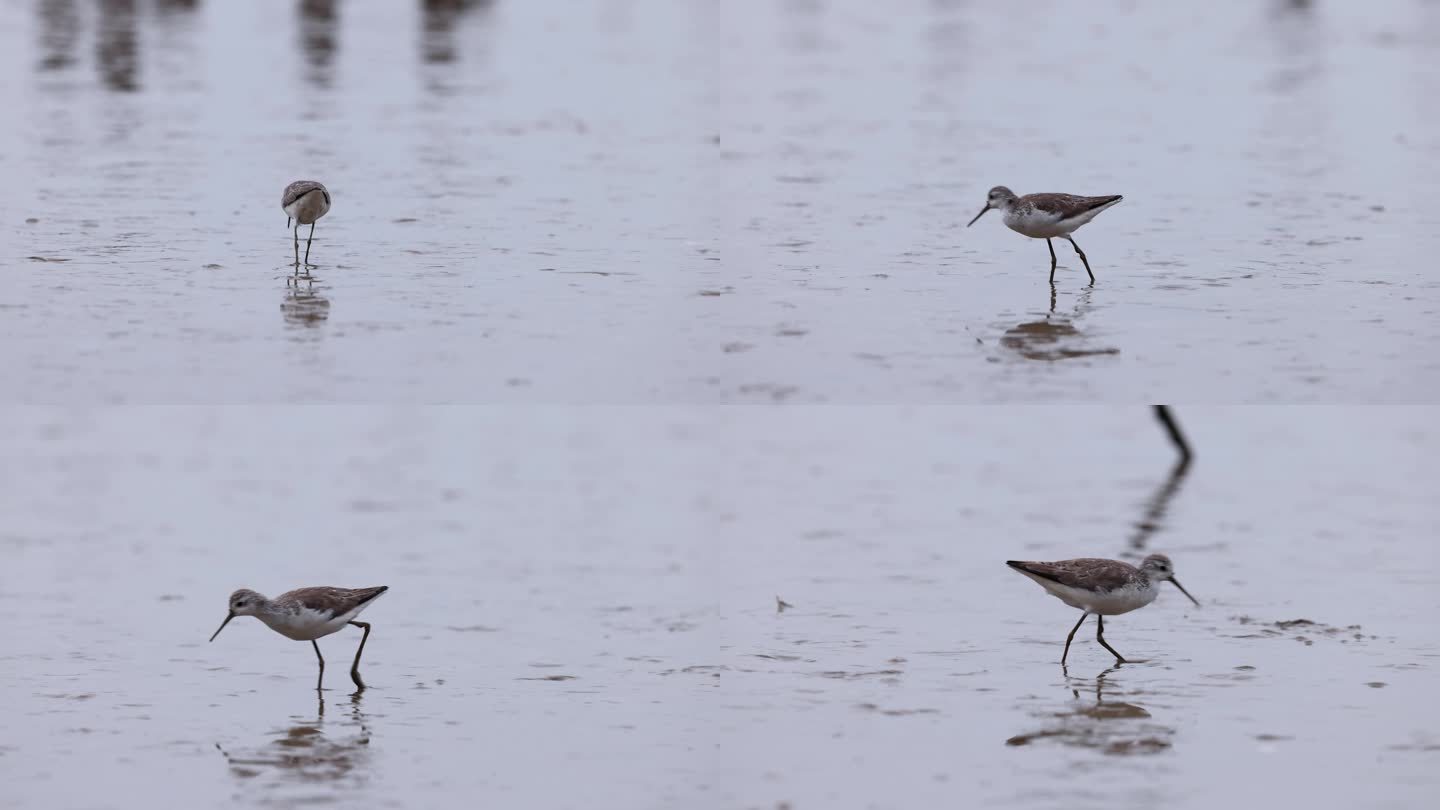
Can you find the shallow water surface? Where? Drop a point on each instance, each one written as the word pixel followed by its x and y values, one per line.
pixel 698 203
pixel 583 608
pixel 593 228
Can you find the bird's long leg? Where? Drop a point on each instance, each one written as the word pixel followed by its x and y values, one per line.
pixel 312 236
pixel 1100 636
pixel 320 680
pixel 355 668
pixel 1082 257
pixel 1051 245
pixel 1083 617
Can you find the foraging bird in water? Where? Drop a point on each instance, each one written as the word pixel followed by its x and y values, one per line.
pixel 1102 587
pixel 304 202
pixel 308 614
pixel 1046 216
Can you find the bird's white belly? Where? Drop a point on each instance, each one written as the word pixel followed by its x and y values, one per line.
pixel 1039 225
pixel 1111 603
pixel 308 208
pixel 305 625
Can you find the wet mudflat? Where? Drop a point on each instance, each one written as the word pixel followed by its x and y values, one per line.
pixel 597 225
pixel 583 607
pixel 685 203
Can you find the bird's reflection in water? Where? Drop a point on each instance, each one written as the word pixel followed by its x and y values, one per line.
pixel 1110 726
pixel 307 753
pixel 58 30
pixel 117 49
pixel 439 19
pixel 1152 519
pixel 1054 336
pixel 120 35
pixel 303 304
pixel 319 40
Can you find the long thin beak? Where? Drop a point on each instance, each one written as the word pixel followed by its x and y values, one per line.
pixel 977 216
pixel 232 615
pixel 1177 584
pixel 287 223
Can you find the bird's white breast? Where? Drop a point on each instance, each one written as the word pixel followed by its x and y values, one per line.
pixel 1037 224
pixel 309 207
pixel 304 624
pixel 1109 603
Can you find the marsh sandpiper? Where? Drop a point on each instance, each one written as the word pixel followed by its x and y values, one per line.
pixel 1046 216
pixel 1102 587
pixel 308 614
pixel 304 202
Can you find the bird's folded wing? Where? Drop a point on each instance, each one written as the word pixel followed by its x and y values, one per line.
pixel 1087 574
